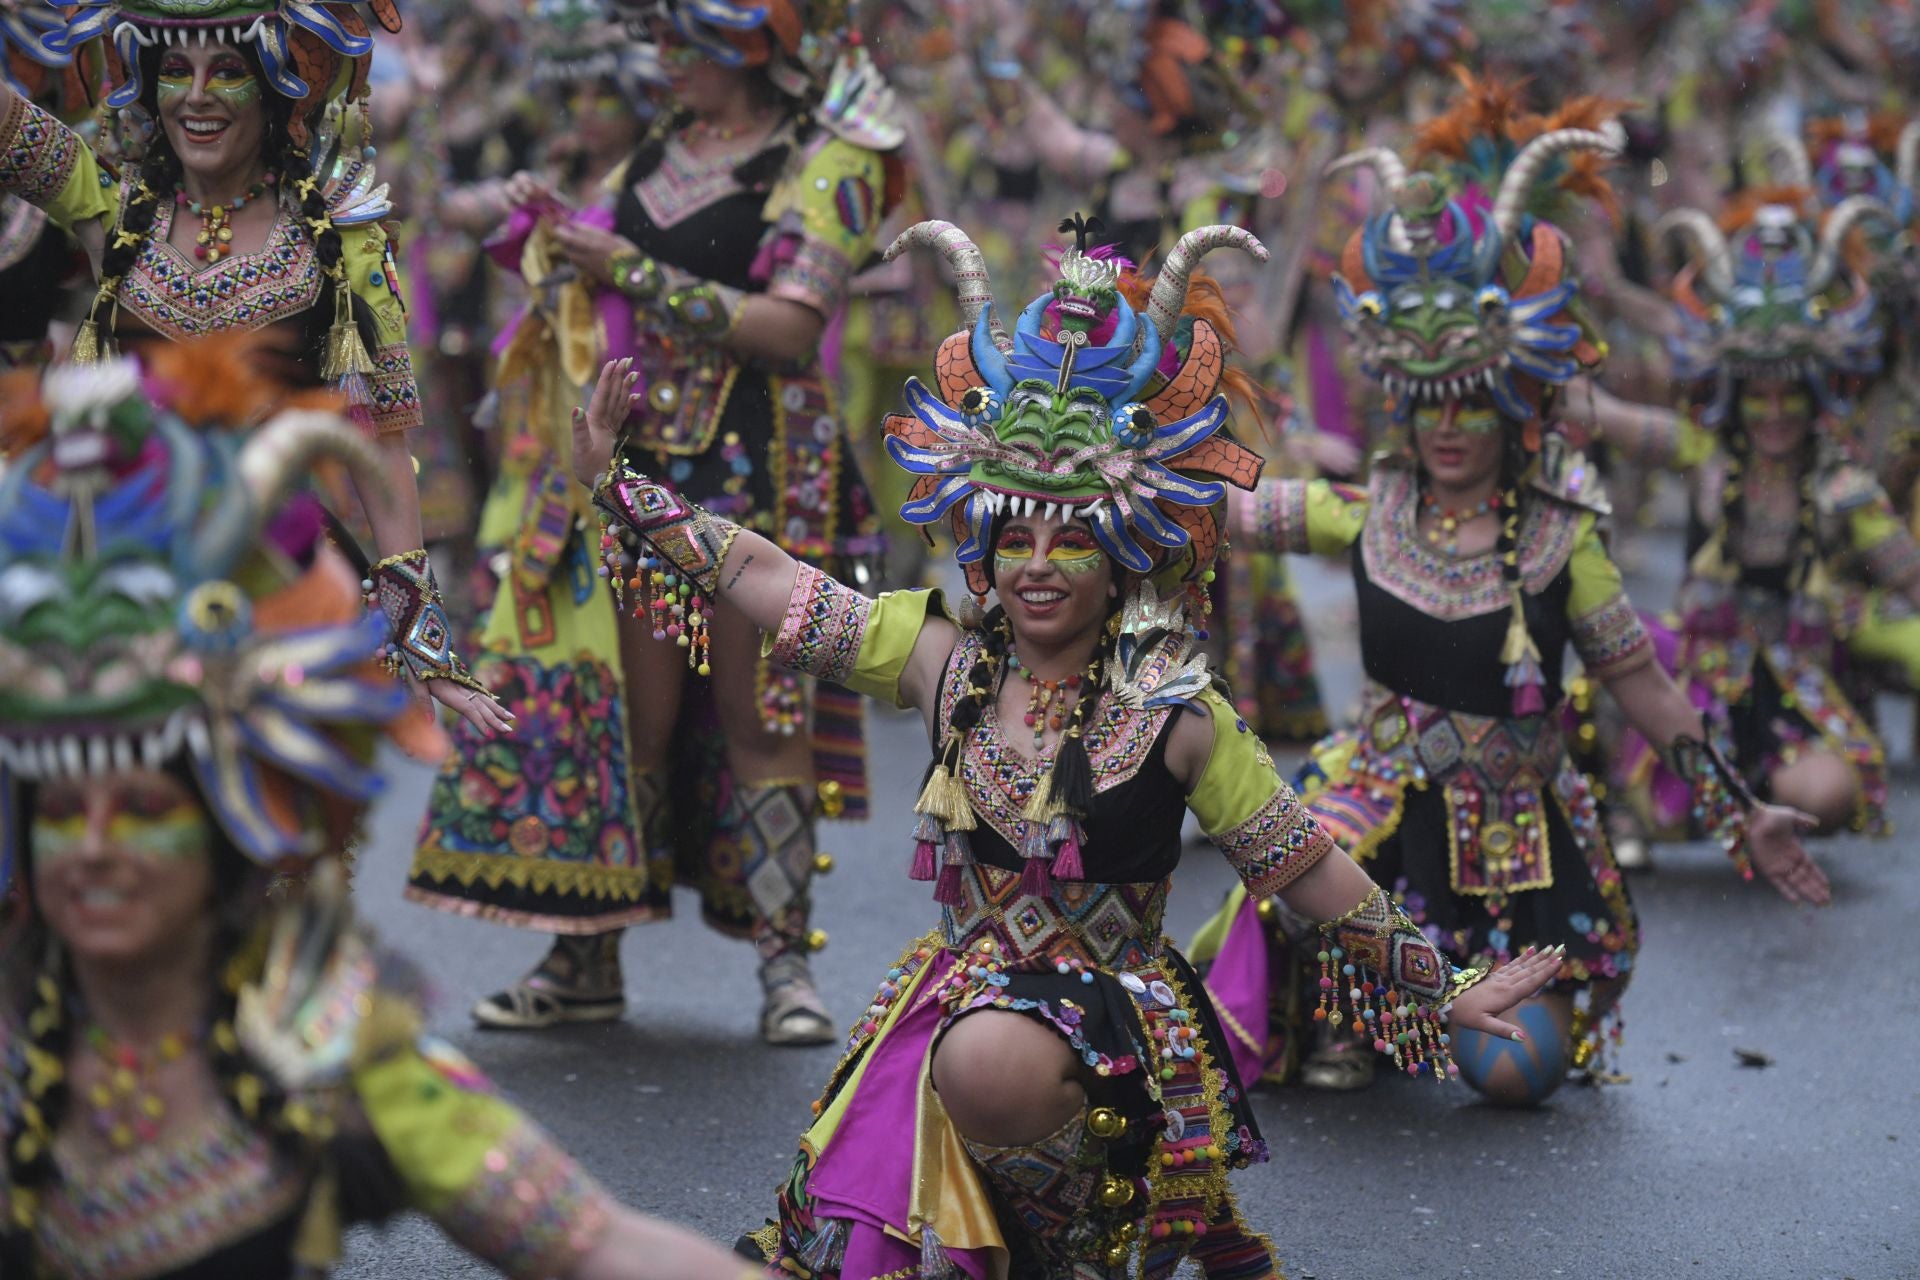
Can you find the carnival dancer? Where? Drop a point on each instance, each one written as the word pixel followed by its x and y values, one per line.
pixel 201 1079
pixel 36 257
pixel 1040 1087
pixel 1799 567
pixel 735 228
pixel 1478 559
pixel 253 207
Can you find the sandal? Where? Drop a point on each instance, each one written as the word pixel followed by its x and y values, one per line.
pixel 1340 1067
pixel 793 1013
pixel 579 981
pixel 527 1007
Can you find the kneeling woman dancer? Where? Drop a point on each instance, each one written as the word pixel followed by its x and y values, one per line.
pixel 1040 1080
pixel 1478 560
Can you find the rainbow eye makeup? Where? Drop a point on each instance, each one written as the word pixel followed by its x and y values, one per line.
pixel 1013 550
pixel 1794 404
pixel 1474 421
pixel 177 830
pixel 1076 553
pixel 1071 551
pixel 228 80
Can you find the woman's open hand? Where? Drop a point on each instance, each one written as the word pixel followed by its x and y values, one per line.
pixel 596 428
pixel 1774 848
pixel 1484 1006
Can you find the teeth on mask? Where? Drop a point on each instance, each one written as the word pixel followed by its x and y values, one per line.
pixel 122 754
pixel 153 750
pixel 1048 513
pixel 96 756
pixel 199 739
pixel 70 757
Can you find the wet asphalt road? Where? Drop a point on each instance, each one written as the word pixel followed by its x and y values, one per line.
pixel 1698 1167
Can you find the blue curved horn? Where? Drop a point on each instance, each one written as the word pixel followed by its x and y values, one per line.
pixel 1141 371
pixel 988 357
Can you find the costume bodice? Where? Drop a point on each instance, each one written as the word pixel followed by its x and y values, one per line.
pixel 695 215
pixel 1133 829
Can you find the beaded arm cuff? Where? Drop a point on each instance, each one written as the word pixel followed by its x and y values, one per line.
pixel 1721 797
pixel 402 588
pixel 826 624
pixel 1378 969
pixel 690 538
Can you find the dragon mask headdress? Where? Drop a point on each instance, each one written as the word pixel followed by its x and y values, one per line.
pixel 1070 414
pixel 162 600
pixel 1769 293
pixel 1458 288
pixel 315 51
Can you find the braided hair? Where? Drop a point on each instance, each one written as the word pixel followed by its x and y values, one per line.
pixel 1066 793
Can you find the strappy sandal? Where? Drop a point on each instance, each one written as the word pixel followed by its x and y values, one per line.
pixel 1340 1067
pixel 525 1006
pixel 793 1013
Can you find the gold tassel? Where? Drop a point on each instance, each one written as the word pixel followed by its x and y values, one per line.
pixel 1818 584
pixel 1709 562
pixel 346 354
pixel 317 1247
pixel 86 344
pixel 1041 806
pixel 1519 645
pixel 933 796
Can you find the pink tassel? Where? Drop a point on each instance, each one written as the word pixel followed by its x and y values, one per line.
pixel 1066 863
pixel 925 861
pixel 1035 880
pixel 1528 700
pixel 946 891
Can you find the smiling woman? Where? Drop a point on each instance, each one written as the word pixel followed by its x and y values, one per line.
pixel 995 1112
pixel 1480 545
pixel 253 209
pixel 190 710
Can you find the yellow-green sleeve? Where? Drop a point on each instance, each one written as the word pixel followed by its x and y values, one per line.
pixel 1693 444
pixel 370 273
pixel 48 165
pixel 834 633
pixel 1248 810
pixel 828 214
pixel 475 1164
pixel 1607 631
pixel 1878 536
pixel 1305 517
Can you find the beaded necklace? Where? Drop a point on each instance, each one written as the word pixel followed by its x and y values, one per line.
pixel 126 1107
pixel 1447 521
pixel 215 238
pixel 1048 701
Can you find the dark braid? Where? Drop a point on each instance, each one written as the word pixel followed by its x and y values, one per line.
pixel 982 682
pixel 156 181
pixel 43 1097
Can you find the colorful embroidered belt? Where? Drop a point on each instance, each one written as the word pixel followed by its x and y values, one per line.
pixel 1115 926
pixel 1493 772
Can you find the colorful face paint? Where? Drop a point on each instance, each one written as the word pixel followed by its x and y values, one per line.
pixel 1761 408
pixel 228 80
pixel 1075 552
pixel 159 829
pixel 1012 552
pixel 1475 420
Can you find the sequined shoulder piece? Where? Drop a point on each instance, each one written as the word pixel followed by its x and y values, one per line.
pixel 1451 588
